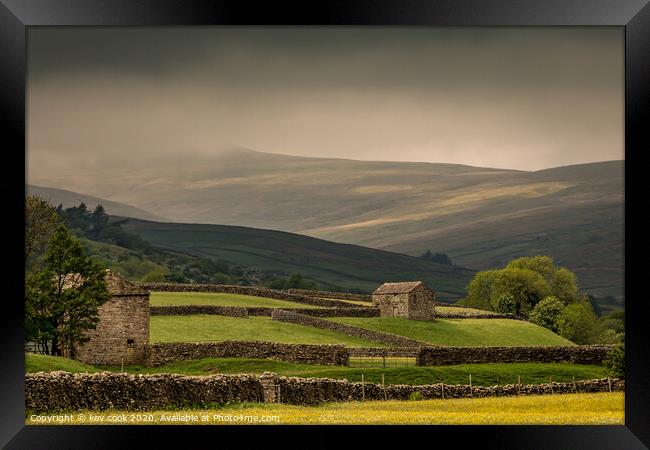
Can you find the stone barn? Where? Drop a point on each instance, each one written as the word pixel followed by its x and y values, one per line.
pixel 411 300
pixel 122 333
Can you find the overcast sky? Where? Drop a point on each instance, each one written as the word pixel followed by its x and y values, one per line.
pixel 521 98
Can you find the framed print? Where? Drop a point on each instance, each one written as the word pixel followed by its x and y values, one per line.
pixel 241 218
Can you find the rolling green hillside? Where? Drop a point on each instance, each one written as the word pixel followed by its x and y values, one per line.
pixel 462 332
pixel 212 328
pixel 480 217
pixel 327 262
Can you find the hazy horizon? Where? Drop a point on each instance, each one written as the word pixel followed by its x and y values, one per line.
pixel 102 99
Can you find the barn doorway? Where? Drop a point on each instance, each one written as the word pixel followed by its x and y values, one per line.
pixel 394 308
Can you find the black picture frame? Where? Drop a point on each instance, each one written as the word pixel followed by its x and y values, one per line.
pixel 17 15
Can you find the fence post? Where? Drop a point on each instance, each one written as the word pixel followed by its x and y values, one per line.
pixel 442 388
pixel 550 382
pixel 363 389
pixel 518 384
pixel 609 382
pixel 383 385
pixel 471 394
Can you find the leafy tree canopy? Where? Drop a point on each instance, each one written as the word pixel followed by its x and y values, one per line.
pixel 62 300
pixel 528 280
pixel 578 323
pixel 546 313
pixel 41 220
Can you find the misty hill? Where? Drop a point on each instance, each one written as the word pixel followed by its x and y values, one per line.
pixel 285 253
pixel 68 199
pixel 481 217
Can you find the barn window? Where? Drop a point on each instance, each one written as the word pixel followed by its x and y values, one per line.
pixel 130 342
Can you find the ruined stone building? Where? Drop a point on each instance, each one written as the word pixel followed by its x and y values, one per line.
pixel 411 300
pixel 122 333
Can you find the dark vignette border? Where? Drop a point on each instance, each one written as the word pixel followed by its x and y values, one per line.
pixel 16 15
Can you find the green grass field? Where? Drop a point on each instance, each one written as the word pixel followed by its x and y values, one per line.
pixel 202 328
pixel 204 298
pixel 456 310
pixel 482 374
pixel 461 332
pixel 607 408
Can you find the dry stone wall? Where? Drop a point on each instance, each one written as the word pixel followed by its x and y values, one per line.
pixel 388 352
pixel 241 311
pixel 350 330
pixel 313 391
pixel 244 290
pixel 164 353
pixel 63 391
pixel 181 310
pixel 579 354
pixel 336 295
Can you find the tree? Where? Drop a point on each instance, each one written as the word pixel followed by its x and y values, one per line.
pixel 564 286
pixel 546 313
pixel 98 221
pixel 561 281
pixel 506 304
pixel 41 220
pixel 578 323
pixel 62 300
pixel 543 265
pixel 528 280
pixel 479 290
pixel 441 258
pixel 525 286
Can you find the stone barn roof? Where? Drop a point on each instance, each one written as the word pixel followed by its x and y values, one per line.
pixel 398 288
pixel 117 286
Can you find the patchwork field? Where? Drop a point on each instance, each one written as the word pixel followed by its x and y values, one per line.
pixel 462 332
pixel 482 374
pixel 210 298
pixel 568 409
pixel 204 328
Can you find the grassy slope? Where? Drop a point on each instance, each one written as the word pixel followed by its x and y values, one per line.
pixel 204 298
pixel 328 262
pixel 482 374
pixel 200 328
pixel 462 332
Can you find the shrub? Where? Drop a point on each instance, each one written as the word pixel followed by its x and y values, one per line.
pixel 615 361
pixel 609 336
pixel 415 395
pixel 546 313
pixel 578 323
pixel 506 304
